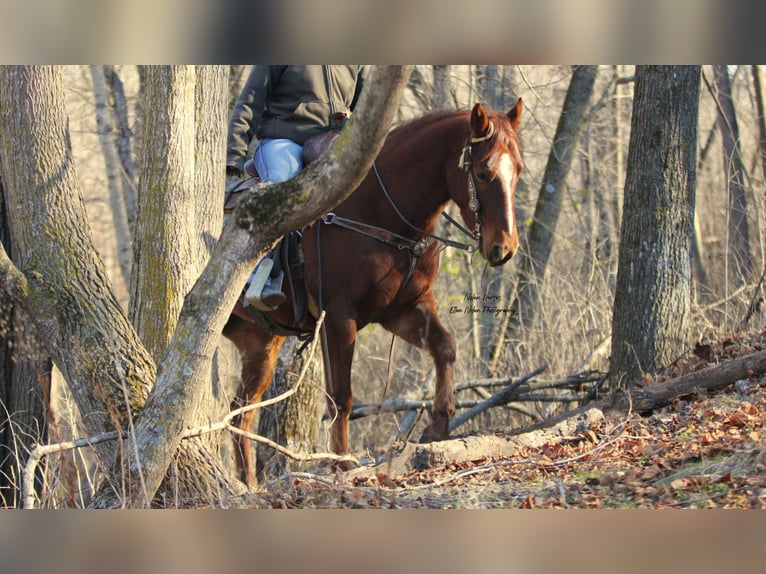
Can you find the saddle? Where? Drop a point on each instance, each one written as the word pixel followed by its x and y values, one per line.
pixel 288 254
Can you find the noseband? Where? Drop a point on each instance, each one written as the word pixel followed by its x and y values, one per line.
pixel 465 164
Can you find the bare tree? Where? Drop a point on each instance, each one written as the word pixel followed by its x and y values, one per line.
pixel 652 306
pixel 739 258
pixel 758 87
pixel 115 178
pixel 442 93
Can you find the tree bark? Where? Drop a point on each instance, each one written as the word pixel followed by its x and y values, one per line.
pixel 652 306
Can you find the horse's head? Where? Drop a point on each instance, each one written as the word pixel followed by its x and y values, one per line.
pixel 492 160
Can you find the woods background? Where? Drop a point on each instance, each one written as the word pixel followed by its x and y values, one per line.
pixel 566 325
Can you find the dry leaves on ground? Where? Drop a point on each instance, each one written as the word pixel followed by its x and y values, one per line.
pixel 699 452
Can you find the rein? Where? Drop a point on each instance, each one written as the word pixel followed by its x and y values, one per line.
pixel 417 248
pixel 443 240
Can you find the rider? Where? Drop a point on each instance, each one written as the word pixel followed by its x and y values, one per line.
pixel 282 107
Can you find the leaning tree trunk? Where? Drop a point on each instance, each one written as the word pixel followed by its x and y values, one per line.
pixel 652 306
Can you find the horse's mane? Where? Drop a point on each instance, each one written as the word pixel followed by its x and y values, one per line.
pixel 505 136
pixel 426 119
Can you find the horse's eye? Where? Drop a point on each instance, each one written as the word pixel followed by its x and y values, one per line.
pixel 482 175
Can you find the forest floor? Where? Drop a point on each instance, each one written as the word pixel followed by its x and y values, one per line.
pixel 701 451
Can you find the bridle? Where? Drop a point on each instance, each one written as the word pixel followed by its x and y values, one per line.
pixel 416 248
pixel 465 163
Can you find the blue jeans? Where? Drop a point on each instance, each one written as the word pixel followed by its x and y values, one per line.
pixel 278 160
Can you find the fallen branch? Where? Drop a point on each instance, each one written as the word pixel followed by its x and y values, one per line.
pixel 502 397
pixel 534 383
pixel 523 389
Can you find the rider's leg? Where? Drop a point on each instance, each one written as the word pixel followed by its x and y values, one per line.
pixel 277 160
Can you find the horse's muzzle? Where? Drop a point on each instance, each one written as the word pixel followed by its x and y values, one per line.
pixel 501 253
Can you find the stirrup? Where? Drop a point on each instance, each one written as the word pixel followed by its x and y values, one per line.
pixel 271 295
pixel 258 282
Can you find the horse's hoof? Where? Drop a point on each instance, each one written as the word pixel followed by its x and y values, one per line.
pixel 431 434
pixel 343 465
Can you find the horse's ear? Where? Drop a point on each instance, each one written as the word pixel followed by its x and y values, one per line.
pixel 514 114
pixel 479 121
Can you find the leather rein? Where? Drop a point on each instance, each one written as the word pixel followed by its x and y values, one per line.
pixel 419 246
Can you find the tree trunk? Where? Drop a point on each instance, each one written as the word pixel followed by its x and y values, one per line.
pixel 64 287
pixel 652 307
pixel 540 237
pixel 167 206
pixel 236 80
pixel 758 86
pixel 114 177
pixel 25 382
pixel 124 143
pixel 295 421
pixel 442 95
pixel 740 264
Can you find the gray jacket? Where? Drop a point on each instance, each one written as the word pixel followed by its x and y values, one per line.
pixel 292 102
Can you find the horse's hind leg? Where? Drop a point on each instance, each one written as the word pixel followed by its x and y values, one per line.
pixel 420 326
pixel 258 352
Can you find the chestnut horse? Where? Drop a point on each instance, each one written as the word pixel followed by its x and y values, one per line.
pixel 374 259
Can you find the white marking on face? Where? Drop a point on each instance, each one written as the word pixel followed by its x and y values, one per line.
pixel 506 173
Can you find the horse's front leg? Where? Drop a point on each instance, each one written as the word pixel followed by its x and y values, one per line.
pixel 420 326
pixel 340 337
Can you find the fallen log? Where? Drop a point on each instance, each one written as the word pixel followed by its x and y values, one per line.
pixel 654 396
